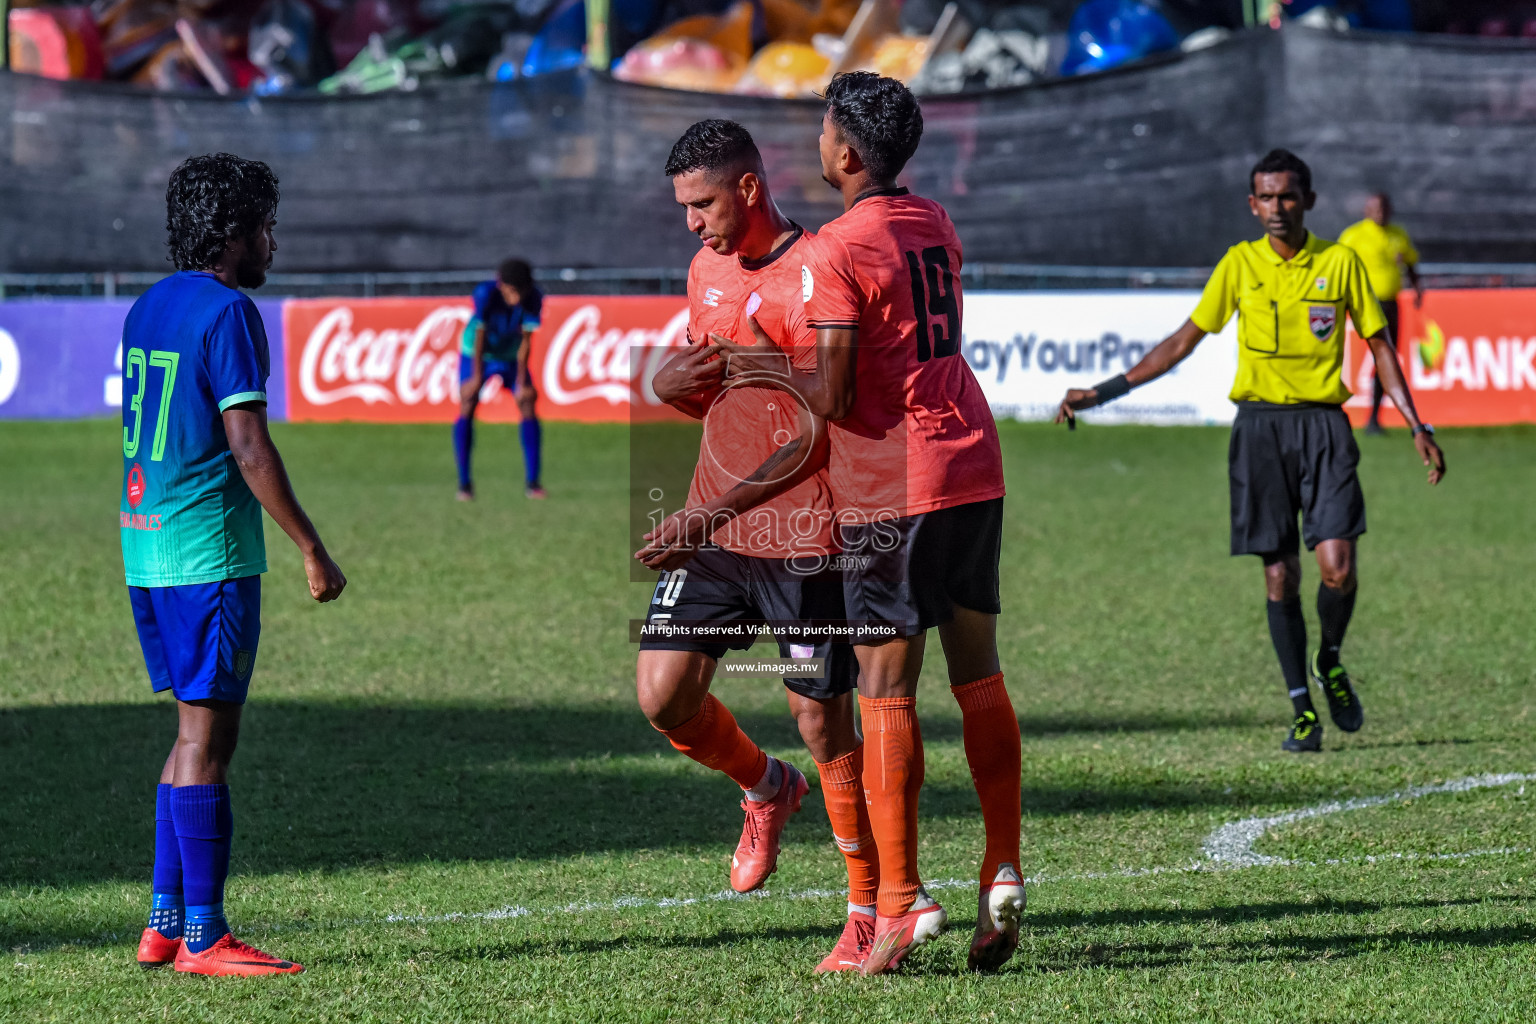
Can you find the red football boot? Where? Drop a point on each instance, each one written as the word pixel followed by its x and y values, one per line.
pixel 897 936
pixel 997 920
pixel 230 956
pixel 155 950
pixel 757 855
pixel 852 946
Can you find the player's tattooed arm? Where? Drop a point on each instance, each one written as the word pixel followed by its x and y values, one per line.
pixel 262 467
pixel 686 381
pixel 828 392
pixel 681 534
pixel 1167 354
pixel 1391 373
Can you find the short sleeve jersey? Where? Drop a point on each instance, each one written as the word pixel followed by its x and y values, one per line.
pixel 920 436
pixel 192 348
pixel 1384 251
pixel 1290 328
pixel 504 324
pixel 744 425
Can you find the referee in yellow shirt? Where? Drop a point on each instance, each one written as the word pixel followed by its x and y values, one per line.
pixel 1389 256
pixel 1292 451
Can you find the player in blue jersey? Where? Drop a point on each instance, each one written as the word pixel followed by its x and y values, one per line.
pixel 198 468
pixel 497 343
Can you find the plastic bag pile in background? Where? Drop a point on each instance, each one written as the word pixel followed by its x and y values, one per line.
pixel 272 46
pixel 788 48
pixel 782 48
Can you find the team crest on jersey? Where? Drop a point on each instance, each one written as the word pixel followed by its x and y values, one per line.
pixel 135 485
pixel 1322 284
pixel 243 662
pixel 712 296
pixel 1322 320
pixel 754 303
pixel 807 284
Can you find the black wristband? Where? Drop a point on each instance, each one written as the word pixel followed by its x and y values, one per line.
pixel 1112 389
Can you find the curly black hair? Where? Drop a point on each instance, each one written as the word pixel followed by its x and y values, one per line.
pixel 1279 161
pixel 516 273
pixel 713 145
pixel 879 118
pixel 212 199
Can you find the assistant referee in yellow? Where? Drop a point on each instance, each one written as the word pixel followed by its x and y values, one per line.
pixel 1389 256
pixel 1292 452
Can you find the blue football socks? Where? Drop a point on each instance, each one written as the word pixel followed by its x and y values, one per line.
pixel 463 442
pixel 204 825
pixel 166 902
pixel 533 450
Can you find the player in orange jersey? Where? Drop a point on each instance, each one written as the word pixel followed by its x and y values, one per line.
pixel 770 565
pixel 917 481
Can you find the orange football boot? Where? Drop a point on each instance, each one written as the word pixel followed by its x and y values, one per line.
pixel 155 950
pixel 230 956
pixel 998 913
pixel 897 936
pixel 852 946
pixel 757 854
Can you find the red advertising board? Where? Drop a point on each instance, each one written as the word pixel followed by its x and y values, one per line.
pixel 396 360
pixel 1468 355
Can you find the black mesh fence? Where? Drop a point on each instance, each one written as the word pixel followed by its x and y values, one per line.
pixel 1141 167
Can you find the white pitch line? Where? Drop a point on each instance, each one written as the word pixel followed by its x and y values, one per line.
pixel 1228 848
pixel 1232 844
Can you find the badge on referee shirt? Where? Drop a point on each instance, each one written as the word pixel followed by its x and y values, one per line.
pixel 1322 320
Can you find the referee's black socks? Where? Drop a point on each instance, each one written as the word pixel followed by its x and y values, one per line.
pixel 1334 607
pixel 1288 630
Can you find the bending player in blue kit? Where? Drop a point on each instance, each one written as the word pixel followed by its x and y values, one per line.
pixel 498 342
pixel 198 468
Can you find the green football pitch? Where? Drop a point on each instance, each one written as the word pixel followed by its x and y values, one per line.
pixel 449 809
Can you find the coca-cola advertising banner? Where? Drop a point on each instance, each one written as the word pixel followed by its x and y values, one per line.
pixel 397 360
pixel 1469 357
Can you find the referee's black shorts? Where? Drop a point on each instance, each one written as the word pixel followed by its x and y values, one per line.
pixel 1290 460
pixel 1389 312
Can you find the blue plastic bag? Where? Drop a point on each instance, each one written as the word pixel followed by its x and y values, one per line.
pixel 1107 33
pixel 559 44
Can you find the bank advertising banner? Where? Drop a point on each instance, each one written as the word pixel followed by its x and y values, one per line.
pixel 64 359
pixel 1469 356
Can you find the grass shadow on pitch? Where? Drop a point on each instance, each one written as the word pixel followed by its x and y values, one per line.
pixel 1286 949
pixel 1238 914
pixel 1350 939
pixel 322 786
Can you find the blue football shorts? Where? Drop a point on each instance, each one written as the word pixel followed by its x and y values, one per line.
pixel 506 369
pixel 199 640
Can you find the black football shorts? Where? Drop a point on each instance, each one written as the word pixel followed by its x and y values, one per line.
pixel 904 576
pixel 723 588
pixel 1290 460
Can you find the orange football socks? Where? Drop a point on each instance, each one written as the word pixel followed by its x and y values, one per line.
pixel 991 731
pixel 893 775
pixel 713 739
pixel 842 790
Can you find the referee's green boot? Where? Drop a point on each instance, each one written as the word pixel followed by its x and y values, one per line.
pixel 1343 706
pixel 1306 734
